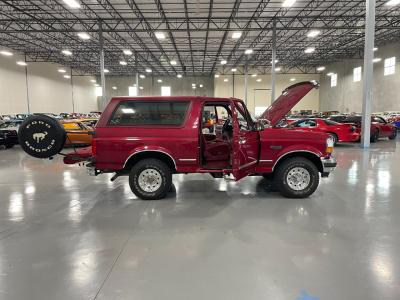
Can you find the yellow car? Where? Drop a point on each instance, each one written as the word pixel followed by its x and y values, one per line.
pixel 77 133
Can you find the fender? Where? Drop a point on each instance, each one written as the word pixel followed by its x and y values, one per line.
pixel 298 149
pixel 142 149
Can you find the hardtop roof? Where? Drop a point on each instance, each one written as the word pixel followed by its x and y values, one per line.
pixel 170 98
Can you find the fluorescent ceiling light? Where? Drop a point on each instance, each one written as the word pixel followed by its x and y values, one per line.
pixel 66 52
pixel 92 80
pixel 106 71
pixel 72 3
pixel 288 3
pixel 236 35
pixel 201 85
pixel 216 75
pixel 193 87
pixel 223 62
pixel 322 68
pixel 96 84
pixel 313 33
pixel 309 50
pixel 226 80
pixel 127 52
pixel 21 63
pixel 378 59
pixel 148 71
pixel 142 76
pixel 159 80
pixel 114 87
pixel 160 35
pixel 258 80
pixel 61 70
pixel 140 87
pixel 6 53
pixel 253 75
pixel 193 84
pixel 276 61
pixel 292 79
pixel 173 62
pixel 277 69
pixel 393 2
pixel 179 75
pixel 329 74
pixel 248 51
pixel 233 69
pixel 375 49
pixel 67 76
pixel 123 63
pixel 84 35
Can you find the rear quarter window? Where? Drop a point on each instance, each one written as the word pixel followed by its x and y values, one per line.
pixel 137 113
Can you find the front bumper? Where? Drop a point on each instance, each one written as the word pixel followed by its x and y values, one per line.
pixel 328 165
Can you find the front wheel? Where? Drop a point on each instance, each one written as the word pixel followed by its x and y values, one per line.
pixel 374 137
pixel 297 177
pixel 150 179
pixel 393 136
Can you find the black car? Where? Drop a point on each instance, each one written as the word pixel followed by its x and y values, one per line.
pixel 8 138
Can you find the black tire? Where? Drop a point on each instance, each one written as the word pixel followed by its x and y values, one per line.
pixel 268 176
pixel 156 166
pixel 375 136
pixel 41 136
pixel 9 146
pixel 281 177
pixel 394 135
pixel 334 137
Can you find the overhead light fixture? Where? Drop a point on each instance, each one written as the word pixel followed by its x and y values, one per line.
pixel 375 49
pixel 66 52
pixel 201 85
pixel 96 84
pixel 288 3
pixel 179 75
pixel 378 59
pixel 276 61
pixel 322 68
pixel 233 70
pixel 114 87
pixel 278 69
pixel 148 71
pixel 236 34
pixel 62 70
pixel 83 35
pixel 392 2
pixel 140 88
pixel 67 76
pixel 248 51
pixel 72 3
pixel 313 33
pixel 193 87
pixel 127 52
pixel 258 80
pixel 216 75
pixel 253 75
pixel 159 80
pixel 193 84
pixel 142 76
pixel 123 63
pixel 106 71
pixel 329 74
pixel 173 62
pixel 223 62
pixel 6 53
pixel 160 35
pixel 92 80
pixel 309 50
pixel 292 79
pixel 21 63
pixel 226 80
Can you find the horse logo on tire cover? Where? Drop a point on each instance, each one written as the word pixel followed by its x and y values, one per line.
pixel 39 136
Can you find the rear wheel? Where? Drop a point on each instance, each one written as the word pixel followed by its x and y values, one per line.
pixel 297 177
pixel 150 179
pixel 375 136
pixel 393 136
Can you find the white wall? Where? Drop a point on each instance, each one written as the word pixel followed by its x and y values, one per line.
pixel 259 92
pixel 47 90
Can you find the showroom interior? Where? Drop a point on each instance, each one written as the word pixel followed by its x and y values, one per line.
pixel 152 223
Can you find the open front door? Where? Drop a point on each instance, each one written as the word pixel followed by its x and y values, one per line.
pixel 245 142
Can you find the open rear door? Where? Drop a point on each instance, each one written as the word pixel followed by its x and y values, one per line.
pixel 245 143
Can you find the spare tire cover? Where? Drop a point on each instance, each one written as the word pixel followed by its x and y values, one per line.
pixel 41 136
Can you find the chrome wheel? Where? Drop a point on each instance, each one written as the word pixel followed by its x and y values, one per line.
pixel 298 178
pixel 150 180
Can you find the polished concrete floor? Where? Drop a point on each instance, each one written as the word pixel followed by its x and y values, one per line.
pixel 65 235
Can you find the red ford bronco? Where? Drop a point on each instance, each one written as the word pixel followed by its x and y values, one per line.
pixel 151 138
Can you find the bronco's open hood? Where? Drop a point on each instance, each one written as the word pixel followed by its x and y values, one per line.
pixel 289 98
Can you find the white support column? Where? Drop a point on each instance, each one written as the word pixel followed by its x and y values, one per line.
pixel 102 76
pixel 136 76
pixel 245 84
pixel 273 73
pixel 368 72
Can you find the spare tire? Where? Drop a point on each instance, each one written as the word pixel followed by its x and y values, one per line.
pixel 41 136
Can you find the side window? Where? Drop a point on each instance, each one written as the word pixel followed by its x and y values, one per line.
pixel 131 113
pixel 209 117
pixel 301 124
pixel 222 114
pixel 243 124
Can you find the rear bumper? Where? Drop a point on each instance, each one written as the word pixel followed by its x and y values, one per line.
pixel 328 165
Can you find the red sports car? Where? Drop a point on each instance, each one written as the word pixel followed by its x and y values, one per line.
pixel 339 132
